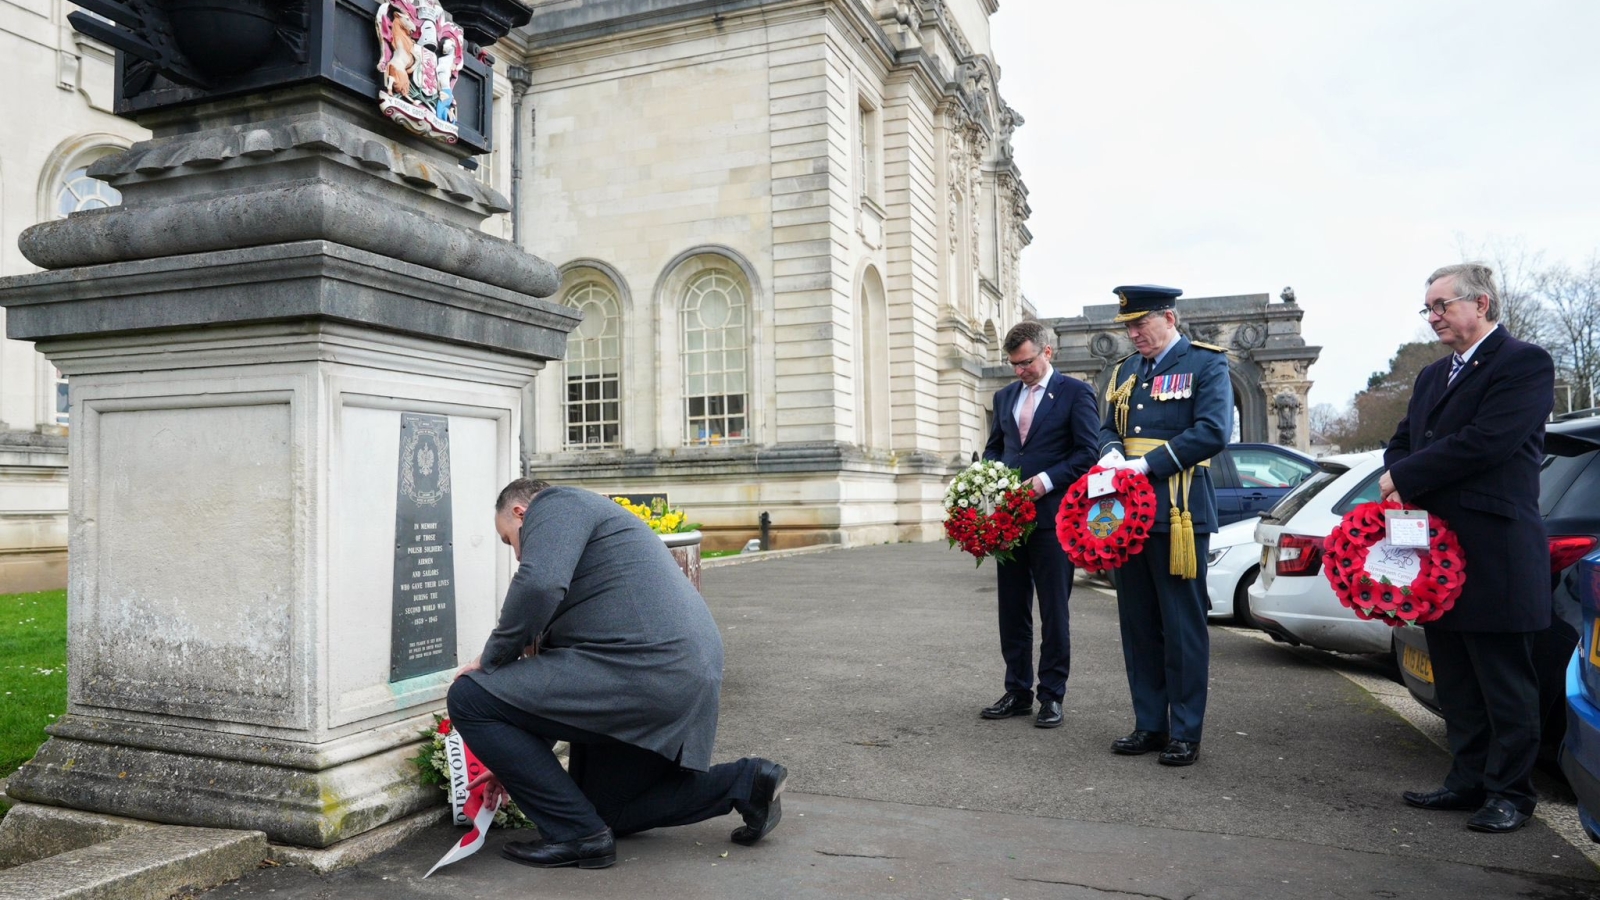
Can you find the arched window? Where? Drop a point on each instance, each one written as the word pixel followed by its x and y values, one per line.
pixel 76 192
pixel 872 362
pixel 79 192
pixel 594 366
pixel 715 338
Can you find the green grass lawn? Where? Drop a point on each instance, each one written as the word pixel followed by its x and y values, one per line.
pixel 713 554
pixel 33 672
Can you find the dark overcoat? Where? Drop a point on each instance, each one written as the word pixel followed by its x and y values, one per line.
pixel 1196 427
pixel 1470 451
pixel 627 647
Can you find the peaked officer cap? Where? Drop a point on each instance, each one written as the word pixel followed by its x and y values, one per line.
pixel 1139 300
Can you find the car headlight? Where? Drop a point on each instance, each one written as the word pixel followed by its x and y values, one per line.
pixel 1215 556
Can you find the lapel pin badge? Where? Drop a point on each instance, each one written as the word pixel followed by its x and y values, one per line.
pixel 1051 396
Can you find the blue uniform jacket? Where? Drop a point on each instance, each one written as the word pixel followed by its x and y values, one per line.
pixel 1196 427
pixel 1061 440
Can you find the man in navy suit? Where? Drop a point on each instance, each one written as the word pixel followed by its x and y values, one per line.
pixel 1044 425
pixel 1169 410
pixel 1469 451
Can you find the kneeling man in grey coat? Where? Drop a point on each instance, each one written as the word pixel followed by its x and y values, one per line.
pixel 602 642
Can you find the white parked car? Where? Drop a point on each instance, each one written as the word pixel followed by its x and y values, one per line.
pixel 1292 600
pixel 1232 562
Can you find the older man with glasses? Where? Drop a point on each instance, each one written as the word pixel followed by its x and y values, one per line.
pixel 1044 425
pixel 1169 409
pixel 1469 451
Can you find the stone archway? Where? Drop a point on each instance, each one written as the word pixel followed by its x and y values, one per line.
pixel 1268 359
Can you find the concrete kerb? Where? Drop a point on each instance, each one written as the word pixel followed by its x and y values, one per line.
pixel 1560 816
pixel 766 555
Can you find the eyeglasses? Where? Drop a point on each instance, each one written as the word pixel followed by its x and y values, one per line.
pixel 1025 363
pixel 1436 308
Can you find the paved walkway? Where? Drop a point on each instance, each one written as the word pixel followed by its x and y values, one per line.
pixel 863 671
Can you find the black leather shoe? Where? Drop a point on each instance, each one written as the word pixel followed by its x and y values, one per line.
pixel 1049 714
pixel 1008 706
pixel 1180 753
pixel 1497 817
pixel 1443 799
pixel 766 803
pixel 1140 742
pixel 596 851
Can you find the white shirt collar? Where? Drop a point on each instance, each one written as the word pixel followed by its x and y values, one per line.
pixel 1474 348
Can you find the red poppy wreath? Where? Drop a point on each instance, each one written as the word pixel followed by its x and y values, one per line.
pixel 1101 533
pixel 1371 577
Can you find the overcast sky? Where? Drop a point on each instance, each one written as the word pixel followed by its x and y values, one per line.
pixel 1347 149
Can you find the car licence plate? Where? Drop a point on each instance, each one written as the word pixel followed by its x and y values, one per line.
pixel 1268 568
pixel 1417 663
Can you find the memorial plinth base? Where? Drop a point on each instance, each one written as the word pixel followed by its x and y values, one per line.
pixel 235 446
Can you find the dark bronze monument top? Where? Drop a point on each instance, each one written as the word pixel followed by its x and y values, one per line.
pixel 173 53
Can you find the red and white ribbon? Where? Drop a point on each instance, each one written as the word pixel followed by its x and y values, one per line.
pixel 472 807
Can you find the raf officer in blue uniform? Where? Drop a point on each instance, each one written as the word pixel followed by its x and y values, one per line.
pixel 1169 410
pixel 1044 425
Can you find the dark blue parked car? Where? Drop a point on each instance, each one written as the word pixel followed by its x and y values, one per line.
pixel 1252 478
pixel 1580 755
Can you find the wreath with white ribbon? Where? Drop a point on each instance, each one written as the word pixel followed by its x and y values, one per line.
pixel 1394 585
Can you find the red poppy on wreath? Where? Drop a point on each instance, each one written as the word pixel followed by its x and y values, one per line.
pixel 1371 583
pixel 990 511
pixel 1101 533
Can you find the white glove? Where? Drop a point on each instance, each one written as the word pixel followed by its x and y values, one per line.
pixel 1140 465
pixel 1112 460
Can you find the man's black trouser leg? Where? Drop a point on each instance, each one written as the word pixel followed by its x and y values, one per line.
pixel 612 784
pixel 1488 690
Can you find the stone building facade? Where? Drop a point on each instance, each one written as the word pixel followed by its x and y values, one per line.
pixel 793 227
pixel 64 83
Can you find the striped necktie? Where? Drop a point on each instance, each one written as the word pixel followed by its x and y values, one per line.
pixel 1456 364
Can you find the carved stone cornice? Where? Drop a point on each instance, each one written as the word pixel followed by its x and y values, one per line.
pixel 320 135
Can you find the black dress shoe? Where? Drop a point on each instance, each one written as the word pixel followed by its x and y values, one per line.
pixel 1443 799
pixel 1497 817
pixel 596 851
pixel 1180 753
pixel 766 803
pixel 1008 706
pixel 1049 714
pixel 1140 742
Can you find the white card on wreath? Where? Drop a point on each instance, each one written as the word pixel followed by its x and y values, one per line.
pixel 1102 483
pixel 1407 527
pixel 1401 565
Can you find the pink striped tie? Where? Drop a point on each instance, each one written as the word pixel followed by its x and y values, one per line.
pixel 1026 422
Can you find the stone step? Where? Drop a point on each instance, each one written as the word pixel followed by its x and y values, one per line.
pixel 152 864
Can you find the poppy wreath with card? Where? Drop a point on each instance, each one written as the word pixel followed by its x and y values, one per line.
pixel 1351 552
pixel 1102 533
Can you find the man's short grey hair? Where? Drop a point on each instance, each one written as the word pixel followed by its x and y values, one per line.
pixel 518 493
pixel 1472 280
pixel 1023 332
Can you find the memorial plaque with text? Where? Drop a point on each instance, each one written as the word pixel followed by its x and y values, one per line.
pixel 423 639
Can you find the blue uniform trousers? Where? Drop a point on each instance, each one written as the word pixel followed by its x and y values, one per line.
pixel 1165 645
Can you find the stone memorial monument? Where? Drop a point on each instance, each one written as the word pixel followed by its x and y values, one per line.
pixel 295 367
